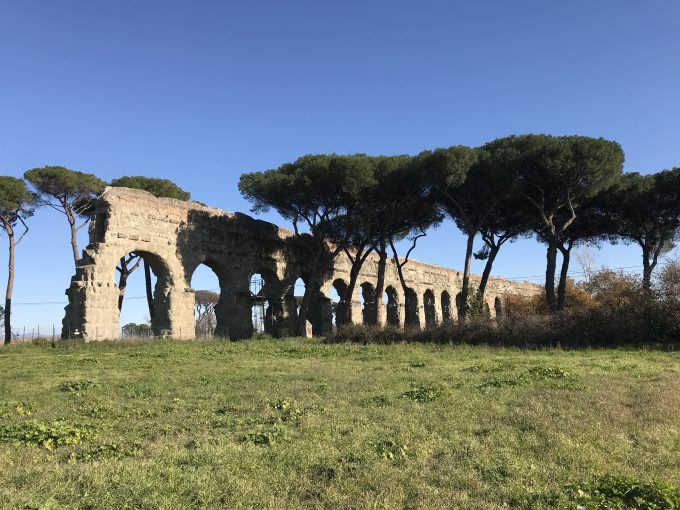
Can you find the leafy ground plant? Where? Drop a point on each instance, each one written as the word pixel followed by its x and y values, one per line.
pixel 46 435
pixel 389 449
pixel 623 493
pixel 77 386
pixel 423 393
pixel 265 437
pixel 8 409
pixel 608 492
pixel 530 376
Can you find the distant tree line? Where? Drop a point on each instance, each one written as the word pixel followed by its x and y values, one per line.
pixel 72 194
pixel 562 190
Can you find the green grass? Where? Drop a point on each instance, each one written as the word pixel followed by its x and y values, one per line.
pixel 300 424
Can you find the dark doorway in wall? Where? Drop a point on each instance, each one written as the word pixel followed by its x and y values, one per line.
pixel 368 302
pixel 392 306
pixel 430 309
pixel 446 307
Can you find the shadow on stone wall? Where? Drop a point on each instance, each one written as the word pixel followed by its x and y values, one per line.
pixel 237 247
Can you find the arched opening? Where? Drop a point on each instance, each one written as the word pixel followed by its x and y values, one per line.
pixel 338 296
pixel 412 318
pixel 392 306
pixel 294 298
pixel 299 288
pixel 259 304
pixel 207 292
pixel 430 311
pixel 498 308
pixel 368 304
pixel 143 304
pixel 266 310
pixel 446 307
pixel 459 305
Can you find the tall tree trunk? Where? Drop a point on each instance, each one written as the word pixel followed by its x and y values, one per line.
pixel 562 287
pixel 310 290
pixel 346 299
pixel 466 275
pixel 358 262
pixel 647 268
pixel 409 319
pixel 650 257
pixel 493 251
pixel 10 285
pixel 149 291
pixel 551 267
pixel 380 284
pixel 125 271
pixel 122 282
pixel 74 232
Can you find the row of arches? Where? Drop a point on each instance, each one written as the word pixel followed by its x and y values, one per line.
pixel 223 307
pixel 435 309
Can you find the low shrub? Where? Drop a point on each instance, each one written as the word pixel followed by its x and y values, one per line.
pixel 609 309
pixel 644 324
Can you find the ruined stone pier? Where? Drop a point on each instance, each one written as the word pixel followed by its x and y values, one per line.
pixel 175 237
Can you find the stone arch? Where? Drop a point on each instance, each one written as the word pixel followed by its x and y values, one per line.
pixel 392 306
pixel 226 324
pixel 266 301
pixel 429 308
pixel 412 318
pixel 161 322
pixel 368 311
pixel 446 306
pixel 459 304
pixel 319 313
pixel 344 301
pixel 498 307
pixel 206 291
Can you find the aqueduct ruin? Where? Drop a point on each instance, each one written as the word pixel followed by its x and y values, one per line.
pixel 175 237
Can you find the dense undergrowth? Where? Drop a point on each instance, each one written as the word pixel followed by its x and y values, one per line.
pixel 608 310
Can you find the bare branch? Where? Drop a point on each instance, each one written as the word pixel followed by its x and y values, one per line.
pixel 83 224
pixel 25 230
pixel 132 269
pixel 571 218
pixel 413 246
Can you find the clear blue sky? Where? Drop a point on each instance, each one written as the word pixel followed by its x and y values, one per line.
pixel 200 92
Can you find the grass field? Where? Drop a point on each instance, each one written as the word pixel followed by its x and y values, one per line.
pixel 300 424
